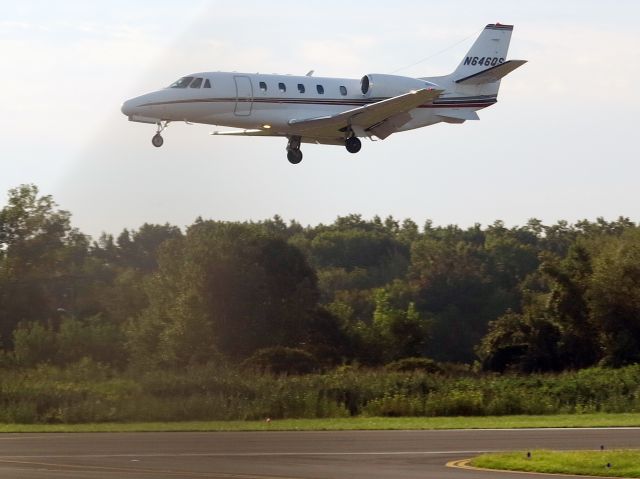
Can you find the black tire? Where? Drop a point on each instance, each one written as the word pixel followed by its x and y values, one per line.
pixel 294 156
pixel 157 140
pixel 353 144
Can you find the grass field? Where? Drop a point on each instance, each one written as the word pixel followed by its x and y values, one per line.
pixel 590 463
pixel 358 423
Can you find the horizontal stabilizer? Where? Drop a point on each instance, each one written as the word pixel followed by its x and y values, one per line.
pixel 464 115
pixel 492 74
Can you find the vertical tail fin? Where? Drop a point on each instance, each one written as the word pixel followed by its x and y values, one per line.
pixel 489 50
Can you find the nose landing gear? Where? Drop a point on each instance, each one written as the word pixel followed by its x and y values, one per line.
pixel 157 139
pixel 294 155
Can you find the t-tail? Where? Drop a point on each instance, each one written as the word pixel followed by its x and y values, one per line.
pixel 482 68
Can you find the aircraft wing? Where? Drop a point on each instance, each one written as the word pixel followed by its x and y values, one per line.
pixel 304 139
pixel 380 118
pixel 247 133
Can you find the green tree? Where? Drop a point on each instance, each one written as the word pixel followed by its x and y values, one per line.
pixel 614 298
pixel 526 342
pixel 138 249
pixel 229 288
pixel 401 333
pixel 579 343
pixel 40 263
pixel 453 289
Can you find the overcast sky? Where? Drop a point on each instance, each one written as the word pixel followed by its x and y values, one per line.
pixel 562 143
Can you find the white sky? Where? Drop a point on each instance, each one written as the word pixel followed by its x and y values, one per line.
pixel 562 143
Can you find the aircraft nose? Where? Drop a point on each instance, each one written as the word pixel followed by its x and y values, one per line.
pixel 127 108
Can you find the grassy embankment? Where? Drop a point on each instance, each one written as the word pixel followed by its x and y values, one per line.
pixel 590 463
pixel 347 398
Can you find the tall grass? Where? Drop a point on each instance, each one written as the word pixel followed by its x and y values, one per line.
pixel 89 392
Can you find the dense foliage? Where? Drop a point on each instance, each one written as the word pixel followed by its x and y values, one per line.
pixel 362 292
pixel 89 392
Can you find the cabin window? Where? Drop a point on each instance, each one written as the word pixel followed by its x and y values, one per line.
pixel 343 90
pixel 263 86
pixel 197 83
pixel 282 87
pixel 207 84
pixel 182 83
pixel 300 88
pixel 320 89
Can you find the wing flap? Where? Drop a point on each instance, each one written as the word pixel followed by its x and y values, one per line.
pixel 367 117
pixel 492 74
pixel 390 125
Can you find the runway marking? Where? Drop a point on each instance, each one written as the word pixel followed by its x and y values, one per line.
pixel 66 434
pixel 578 428
pixel 239 454
pixel 464 464
pixel 142 471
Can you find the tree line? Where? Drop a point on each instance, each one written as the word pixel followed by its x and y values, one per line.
pixel 370 292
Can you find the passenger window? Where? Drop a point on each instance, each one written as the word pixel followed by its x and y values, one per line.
pixel 343 90
pixel 282 87
pixel 300 88
pixel 207 83
pixel 196 83
pixel 263 86
pixel 320 89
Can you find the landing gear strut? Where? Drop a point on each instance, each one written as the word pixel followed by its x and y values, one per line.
pixel 294 155
pixel 353 144
pixel 157 139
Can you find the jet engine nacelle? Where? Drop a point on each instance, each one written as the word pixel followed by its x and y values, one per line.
pixel 378 85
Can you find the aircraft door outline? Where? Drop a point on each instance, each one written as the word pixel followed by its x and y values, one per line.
pixel 244 95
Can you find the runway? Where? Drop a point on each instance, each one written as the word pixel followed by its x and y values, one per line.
pixel 262 455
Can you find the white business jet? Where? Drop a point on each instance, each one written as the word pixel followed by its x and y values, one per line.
pixel 331 111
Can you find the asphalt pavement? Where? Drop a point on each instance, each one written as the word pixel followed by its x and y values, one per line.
pixel 275 455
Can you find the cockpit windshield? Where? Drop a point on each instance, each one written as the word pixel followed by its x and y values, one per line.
pixel 182 83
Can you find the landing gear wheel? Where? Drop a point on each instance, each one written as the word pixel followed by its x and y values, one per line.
pixel 353 144
pixel 294 156
pixel 157 140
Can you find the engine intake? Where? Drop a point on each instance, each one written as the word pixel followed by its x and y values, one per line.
pixel 380 85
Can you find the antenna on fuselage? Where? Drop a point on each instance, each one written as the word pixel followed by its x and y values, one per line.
pixel 310 73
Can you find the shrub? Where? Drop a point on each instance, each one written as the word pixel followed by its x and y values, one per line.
pixel 34 343
pixel 281 360
pixel 87 391
pixel 414 364
pixel 93 338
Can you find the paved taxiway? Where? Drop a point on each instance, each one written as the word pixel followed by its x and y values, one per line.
pixel 238 455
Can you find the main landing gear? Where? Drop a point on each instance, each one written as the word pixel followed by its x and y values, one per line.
pixel 294 155
pixel 157 139
pixel 353 144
